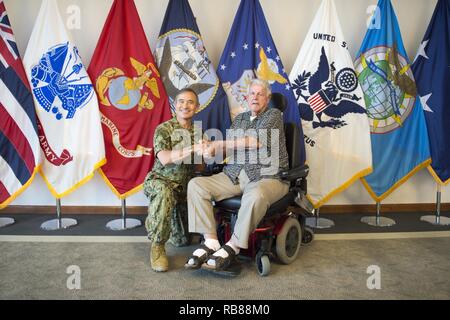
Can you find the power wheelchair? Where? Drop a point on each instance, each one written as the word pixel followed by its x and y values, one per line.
pixel 282 230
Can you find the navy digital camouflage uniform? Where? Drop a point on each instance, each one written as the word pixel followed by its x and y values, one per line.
pixel 166 187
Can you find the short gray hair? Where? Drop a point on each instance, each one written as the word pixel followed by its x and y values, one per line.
pixel 262 83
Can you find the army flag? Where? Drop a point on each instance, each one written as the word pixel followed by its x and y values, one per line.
pixel 431 69
pixel 250 53
pixel 131 96
pixel 335 124
pixel 68 118
pixel 183 62
pixel 398 130
pixel 19 144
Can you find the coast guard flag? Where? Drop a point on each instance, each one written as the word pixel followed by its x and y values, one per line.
pixel 68 118
pixel 131 96
pixel 398 130
pixel 251 53
pixel 19 144
pixel 183 62
pixel 431 69
pixel 335 124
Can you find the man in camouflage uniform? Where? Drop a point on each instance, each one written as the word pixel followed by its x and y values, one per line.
pixel 166 184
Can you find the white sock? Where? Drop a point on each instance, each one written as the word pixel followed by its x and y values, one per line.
pixel 213 244
pixel 222 253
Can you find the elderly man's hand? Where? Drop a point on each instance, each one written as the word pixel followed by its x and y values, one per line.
pixel 210 149
pixel 199 148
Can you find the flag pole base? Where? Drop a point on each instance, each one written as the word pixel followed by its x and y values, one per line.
pixel 436 220
pixel 123 224
pixel 319 223
pixel 58 224
pixel 378 221
pixel 6 222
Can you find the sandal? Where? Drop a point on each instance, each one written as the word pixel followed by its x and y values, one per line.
pixel 221 263
pixel 199 260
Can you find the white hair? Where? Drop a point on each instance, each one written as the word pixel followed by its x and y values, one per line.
pixel 262 83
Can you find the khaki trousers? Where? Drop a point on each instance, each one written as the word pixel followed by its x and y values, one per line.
pixel 256 199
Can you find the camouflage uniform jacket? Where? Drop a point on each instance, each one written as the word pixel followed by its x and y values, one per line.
pixel 170 135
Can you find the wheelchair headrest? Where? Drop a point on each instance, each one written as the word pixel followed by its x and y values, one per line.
pixel 278 101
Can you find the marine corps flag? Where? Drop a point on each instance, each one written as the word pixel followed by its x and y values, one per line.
pixel 431 69
pixel 183 62
pixel 398 131
pixel 131 96
pixel 68 118
pixel 335 124
pixel 249 53
pixel 19 144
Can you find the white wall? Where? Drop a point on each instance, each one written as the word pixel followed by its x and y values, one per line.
pixel 288 20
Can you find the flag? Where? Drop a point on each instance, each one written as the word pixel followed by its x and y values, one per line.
pixel 131 96
pixel 250 53
pixel 68 117
pixel 398 130
pixel 19 144
pixel 330 99
pixel 183 62
pixel 431 68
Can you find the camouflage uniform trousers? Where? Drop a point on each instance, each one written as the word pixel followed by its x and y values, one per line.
pixel 167 212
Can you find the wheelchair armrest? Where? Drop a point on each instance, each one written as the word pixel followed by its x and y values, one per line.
pixel 210 169
pixel 294 173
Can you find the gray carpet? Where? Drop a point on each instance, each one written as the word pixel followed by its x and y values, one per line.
pixel 410 269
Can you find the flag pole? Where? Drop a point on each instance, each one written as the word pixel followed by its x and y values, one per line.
pixel 317 222
pixel 437 220
pixel 378 221
pixel 124 223
pixel 6 222
pixel 58 223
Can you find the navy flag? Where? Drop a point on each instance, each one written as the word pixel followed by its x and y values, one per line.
pixel 249 53
pixel 431 70
pixel 183 62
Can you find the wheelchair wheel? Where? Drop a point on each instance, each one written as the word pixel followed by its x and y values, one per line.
pixel 308 236
pixel 262 264
pixel 289 240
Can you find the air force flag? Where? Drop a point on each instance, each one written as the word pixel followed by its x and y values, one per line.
pixel 183 62
pixel 68 117
pixel 431 69
pixel 332 108
pixel 398 131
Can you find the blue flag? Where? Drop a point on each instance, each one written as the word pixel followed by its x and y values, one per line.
pixel 398 130
pixel 431 69
pixel 183 62
pixel 249 53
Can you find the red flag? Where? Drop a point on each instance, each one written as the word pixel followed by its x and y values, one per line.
pixel 131 96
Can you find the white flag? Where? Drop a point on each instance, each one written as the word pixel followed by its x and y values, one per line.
pixel 69 126
pixel 332 107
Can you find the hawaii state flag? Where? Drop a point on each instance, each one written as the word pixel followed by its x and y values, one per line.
pixel 398 130
pixel 331 103
pixel 250 53
pixel 131 96
pixel 68 118
pixel 431 69
pixel 183 62
pixel 19 144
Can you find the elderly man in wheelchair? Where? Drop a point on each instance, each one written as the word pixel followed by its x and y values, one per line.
pixel 249 200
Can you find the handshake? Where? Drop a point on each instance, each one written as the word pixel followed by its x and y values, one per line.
pixel 205 148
